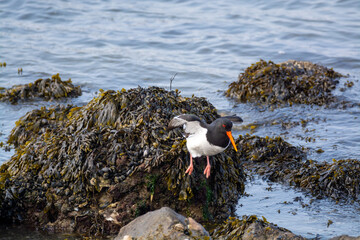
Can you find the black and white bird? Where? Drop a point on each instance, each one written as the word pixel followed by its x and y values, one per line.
pixel 204 139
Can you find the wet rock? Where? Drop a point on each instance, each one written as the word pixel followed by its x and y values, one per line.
pixel 250 227
pixel 47 89
pixel 285 83
pixel 91 159
pixel 164 223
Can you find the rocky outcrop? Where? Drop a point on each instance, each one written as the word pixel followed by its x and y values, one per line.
pixel 46 89
pixel 285 83
pixel 95 168
pixel 164 223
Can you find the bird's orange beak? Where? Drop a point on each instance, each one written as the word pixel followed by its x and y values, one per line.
pixel 228 133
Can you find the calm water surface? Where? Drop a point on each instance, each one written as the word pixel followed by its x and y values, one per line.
pixel 114 45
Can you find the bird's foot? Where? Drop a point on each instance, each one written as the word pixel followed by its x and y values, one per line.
pixel 207 171
pixel 190 169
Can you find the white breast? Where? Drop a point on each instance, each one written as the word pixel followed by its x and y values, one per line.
pixel 198 145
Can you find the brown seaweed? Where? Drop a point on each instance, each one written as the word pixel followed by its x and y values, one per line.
pixel 47 89
pixel 279 161
pixel 289 82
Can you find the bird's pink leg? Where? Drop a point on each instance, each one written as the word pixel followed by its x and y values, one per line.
pixel 191 167
pixel 207 169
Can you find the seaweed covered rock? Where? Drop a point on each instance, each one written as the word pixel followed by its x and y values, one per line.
pixel 339 180
pixel 95 168
pixel 250 227
pixel 285 83
pixel 40 121
pixel 279 161
pixel 47 89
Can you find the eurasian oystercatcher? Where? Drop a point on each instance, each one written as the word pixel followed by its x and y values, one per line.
pixel 204 139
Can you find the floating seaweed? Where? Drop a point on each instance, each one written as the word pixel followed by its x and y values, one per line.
pixel 48 89
pixel 75 168
pixel 289 82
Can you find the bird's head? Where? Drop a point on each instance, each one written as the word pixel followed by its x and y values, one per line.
pixel 226 125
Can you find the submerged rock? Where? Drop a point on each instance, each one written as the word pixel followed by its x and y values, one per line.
pixel 48 89
pixel 164 223
pixel 252 228
pixel 279 161
pixel 95 168
pixel 285 83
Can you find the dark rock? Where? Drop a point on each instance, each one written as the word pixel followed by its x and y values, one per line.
pixel 164 223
